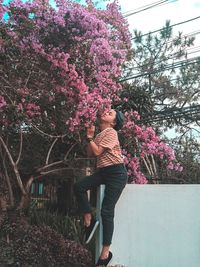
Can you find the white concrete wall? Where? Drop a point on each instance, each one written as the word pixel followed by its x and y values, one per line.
pixel 156 226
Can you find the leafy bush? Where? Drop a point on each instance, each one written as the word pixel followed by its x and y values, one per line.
pixel 25 245
pixel 69 226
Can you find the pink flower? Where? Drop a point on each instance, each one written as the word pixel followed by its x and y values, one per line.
pixel 2 103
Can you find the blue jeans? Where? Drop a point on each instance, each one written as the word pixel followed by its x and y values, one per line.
pixel 115 178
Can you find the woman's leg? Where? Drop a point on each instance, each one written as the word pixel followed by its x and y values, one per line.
pixel 115 181
pixel 111 197
pixel 80 189
pixel 113 189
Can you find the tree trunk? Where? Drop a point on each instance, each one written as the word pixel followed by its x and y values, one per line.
pixel 24 202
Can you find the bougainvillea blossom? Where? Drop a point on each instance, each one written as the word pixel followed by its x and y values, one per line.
pixel 60 69
pixel 146 145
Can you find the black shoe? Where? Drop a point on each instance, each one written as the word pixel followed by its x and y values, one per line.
pixel 104 262
pixel 90 230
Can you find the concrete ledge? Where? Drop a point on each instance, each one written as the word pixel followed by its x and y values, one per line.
pixel 156 226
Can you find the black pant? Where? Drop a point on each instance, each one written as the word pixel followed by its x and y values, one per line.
pixel 115 178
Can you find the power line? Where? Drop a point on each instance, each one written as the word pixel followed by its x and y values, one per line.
pixel 194 52
pixel 176 24
pixel 144 8
pixel 168 67
pixel 157 71
pixel 172 40
pixel 170 57
pixel 170 80
pixel 183 36
pixel 188 113
pixel 139 8
pixel 189 50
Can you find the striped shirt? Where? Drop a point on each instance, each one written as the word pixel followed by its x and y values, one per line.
pixel 112 155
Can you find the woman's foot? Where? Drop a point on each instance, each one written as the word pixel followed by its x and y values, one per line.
pixel 104 262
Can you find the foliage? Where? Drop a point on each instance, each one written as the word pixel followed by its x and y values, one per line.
pixel 75 55
pixel 187 151
pixel 164 70
pixel 161 83
pixel 59 67
pixel 144 148
pixel 27 245
pixel 69 227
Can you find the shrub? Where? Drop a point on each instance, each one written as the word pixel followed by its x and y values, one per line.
pixel 35 246
pixel 68 226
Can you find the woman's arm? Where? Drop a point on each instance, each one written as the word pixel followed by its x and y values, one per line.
pixel 92 148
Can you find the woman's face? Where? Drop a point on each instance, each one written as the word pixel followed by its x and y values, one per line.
pixel 108 116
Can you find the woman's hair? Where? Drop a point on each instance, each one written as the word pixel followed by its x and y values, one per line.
pixel 119 120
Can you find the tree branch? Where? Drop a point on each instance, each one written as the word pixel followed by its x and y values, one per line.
pixel 50 149
pixel 49 165
pixel 29 182
pixel 154 166
pixel 146 165
pixel 150 167
pixel 10 191
pixel 19 181
pixel 70 150
pixel 46 134
pixel 20 148
pixel 11 196
pixel 55 170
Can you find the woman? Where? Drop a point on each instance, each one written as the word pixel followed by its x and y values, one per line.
pixel 111 172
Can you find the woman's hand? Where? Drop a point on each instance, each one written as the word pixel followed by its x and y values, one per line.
pixel 90 132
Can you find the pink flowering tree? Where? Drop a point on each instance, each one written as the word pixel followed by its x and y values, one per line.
pixel 60 67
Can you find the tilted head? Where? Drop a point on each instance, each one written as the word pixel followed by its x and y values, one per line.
pixel 114 118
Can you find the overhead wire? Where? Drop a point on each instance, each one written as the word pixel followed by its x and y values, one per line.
pixel 168 67
pixel 171 57
pixel 190 34
pixel 172 113
pixel 139 8
pixel 144 8
pixel 173 25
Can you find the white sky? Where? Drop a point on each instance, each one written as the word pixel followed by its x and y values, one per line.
pixel 154 18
